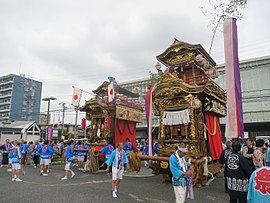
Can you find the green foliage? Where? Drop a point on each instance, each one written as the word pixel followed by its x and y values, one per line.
pixel 154 78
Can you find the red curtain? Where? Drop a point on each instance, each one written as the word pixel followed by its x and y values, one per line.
pixel 214 134
pixel 125 129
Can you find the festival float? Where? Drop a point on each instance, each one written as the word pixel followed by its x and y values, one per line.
pixel 189 104
pixel 113 115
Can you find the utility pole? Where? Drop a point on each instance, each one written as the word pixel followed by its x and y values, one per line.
pixel 63 118
pixel 76 121
pixel 48 99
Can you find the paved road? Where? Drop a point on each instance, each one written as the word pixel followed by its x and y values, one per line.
pixel 87 187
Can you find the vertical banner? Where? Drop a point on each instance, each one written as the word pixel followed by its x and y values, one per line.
pixel 111 91
pixel 149 114
pixel 234 124
pixel 77 93
pixel 55 133
pixel 49 133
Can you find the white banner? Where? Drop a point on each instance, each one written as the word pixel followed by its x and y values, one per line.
pixel 111 92
pixel 77 93
pixel 55 133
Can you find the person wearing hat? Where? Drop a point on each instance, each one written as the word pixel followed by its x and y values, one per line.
pixel 223 158
pixel 181 172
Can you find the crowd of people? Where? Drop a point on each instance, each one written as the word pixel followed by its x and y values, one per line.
pixel 247 171
pixel 17 154
pixel 246 167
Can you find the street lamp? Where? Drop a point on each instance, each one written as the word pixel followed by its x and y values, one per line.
pixel 48 99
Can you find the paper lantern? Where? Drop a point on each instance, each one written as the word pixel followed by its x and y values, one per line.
pixel 158 66
pixel 196 103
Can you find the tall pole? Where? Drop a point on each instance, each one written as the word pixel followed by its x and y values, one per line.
pixel 48 99
pixel 76 121
pixel 48 112
pixel 63 118
pixel 85 128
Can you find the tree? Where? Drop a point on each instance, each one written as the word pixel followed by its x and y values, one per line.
pixel 219 10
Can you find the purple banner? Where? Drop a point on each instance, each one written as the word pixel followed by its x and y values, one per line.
pixel 234 124
pixel 49 134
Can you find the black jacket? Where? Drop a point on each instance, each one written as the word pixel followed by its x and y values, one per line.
pixel 238 171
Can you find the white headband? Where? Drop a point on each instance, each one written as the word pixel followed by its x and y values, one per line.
pixel 182 149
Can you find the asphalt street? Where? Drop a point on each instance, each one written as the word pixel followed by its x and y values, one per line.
pixel 86 187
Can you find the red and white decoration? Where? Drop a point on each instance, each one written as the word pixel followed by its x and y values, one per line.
pixel 111 93
pixel 77 93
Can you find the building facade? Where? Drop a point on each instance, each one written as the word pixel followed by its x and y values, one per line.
pixel 26 130
pixel 255 74
pixel 20 98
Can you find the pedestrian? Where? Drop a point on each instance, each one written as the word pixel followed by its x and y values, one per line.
pixel 36 154
pixel 267 161
pixel 117 160
pixel 74 146
pixel 87 157
pixel 248 151
pixel 45 153
pixel 16 160
pixel 145 152
pixel 10 156
pixel 258 157
pixel 80 151
pixel 29 153
pixel 24 149
pixel 5 149
pixel 181 172
pixel 51 155
pixel 69 159
pixel 60 148
pixel 156 147
pixel 238 170
pixel 128 146
pixel 108 152
pixel 259 186
pixel 223 159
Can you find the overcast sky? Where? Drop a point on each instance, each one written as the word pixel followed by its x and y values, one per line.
pixel 67 42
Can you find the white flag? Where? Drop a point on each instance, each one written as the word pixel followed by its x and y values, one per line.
pixel 77 93
pixel 110 92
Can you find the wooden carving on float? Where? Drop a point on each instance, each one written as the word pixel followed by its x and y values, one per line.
pixel 100 110
pixel 181 52
pixel 129 114
pixel 185 85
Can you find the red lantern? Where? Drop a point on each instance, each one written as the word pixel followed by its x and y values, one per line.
pixel 83 123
